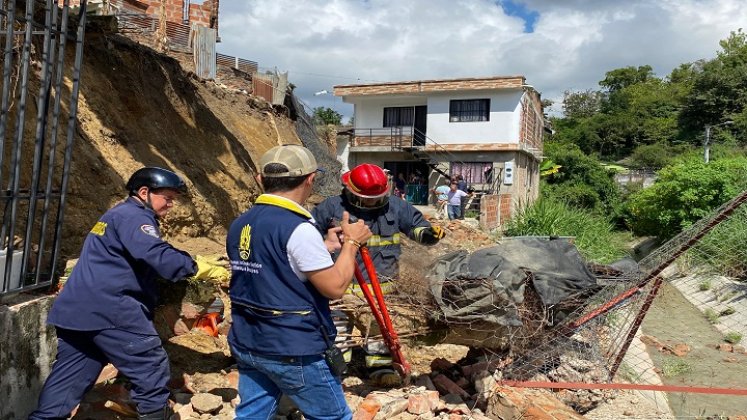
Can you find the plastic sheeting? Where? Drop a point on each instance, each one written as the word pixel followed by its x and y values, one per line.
pixel 489 284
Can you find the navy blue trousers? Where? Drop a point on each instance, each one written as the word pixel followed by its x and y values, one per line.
pixel 82 354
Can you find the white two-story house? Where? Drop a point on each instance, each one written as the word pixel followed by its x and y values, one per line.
pixel 487 129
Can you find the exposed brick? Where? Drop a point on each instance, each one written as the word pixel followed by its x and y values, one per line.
pixel 447 386
pixel 367 410
pixel 424 402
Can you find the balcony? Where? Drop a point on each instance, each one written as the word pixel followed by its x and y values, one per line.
pixel 392 138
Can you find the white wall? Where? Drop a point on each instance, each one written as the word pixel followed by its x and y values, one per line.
pixel 503 127
pixel 369 112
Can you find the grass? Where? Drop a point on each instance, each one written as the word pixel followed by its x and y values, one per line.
pixel 711 316
pixel 728 311
pixel 733 337
pixel 629 374
pixel 723 249
pixel 705 285
pixel 674 366
pixel 594 235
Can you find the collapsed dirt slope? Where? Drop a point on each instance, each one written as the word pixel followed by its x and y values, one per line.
pixel 138 107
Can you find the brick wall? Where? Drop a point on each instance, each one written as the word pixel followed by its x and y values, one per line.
pixel 489 216
pixel 505 207
pixel 532 121
pixel 509 82
pixel 204 14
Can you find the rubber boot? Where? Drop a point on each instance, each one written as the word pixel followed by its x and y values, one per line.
pixel 162 414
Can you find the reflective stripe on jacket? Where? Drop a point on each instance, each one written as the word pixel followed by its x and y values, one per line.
pixel 397 217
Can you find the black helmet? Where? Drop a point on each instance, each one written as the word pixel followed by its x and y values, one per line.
pixel 155 178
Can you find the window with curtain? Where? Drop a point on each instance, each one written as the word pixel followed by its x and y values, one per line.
pixel 399 116
pixel 473 172
pixel 469 110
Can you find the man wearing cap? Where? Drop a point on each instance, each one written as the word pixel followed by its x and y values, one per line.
pixel 283 278
pixel 365 196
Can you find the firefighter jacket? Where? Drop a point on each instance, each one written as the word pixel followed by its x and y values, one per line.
pixel 387 224
pixel 113 285
pixel 274 312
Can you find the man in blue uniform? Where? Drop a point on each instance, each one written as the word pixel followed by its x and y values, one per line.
pixel 104 314
pixel 282 280
pixel 366 197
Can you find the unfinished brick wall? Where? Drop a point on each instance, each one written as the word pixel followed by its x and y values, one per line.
pixel 204 12
pixel 532 120
pixel 489 216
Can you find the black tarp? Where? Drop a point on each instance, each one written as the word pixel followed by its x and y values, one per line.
pixel 489 284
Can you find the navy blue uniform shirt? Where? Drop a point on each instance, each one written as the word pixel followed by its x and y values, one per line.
pixel 386 224
pixel 113 285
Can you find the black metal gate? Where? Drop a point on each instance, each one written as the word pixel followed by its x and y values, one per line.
pixel 38 109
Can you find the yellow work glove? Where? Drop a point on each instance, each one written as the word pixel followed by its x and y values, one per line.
pixel 210 269
pixel 428 235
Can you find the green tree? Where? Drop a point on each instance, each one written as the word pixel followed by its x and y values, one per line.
pixel 684 193
pixel 617 79
pixel 719 91
pixel 581 104
pixel 582 181
pixel 326 116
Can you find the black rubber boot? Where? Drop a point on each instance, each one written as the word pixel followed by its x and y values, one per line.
pixel 162 414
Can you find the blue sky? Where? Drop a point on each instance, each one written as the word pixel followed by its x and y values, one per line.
pixel 520 10
pixel 558 45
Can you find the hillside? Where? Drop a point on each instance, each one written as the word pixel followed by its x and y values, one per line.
pixel 138 107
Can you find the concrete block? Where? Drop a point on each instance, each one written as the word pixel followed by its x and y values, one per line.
pixel 27 349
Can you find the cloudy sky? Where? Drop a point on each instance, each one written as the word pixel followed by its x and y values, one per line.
pixel 557 45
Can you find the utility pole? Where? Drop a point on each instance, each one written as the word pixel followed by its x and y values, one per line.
pixel 707 142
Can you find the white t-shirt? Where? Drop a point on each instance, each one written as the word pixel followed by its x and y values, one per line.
pixel 455 197
pixel 306 251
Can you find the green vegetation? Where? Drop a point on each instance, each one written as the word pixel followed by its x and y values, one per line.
pixel 594 235
pixel 733 337
pixel 711 316
pixel 636 119
pixel 326 116
pixel 675 366
pixel 684 193
pixel 728 311
pixel 704 285
pixel 710 251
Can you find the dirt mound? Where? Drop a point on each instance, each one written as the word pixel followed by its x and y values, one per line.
pixel 138 107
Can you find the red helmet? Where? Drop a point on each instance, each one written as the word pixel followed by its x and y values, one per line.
pixel 367 186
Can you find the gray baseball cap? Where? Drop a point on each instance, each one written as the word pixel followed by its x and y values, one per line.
pixel 297 159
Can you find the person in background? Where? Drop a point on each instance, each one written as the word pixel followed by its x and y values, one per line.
pixel 454 198
pixel 283 279
pixel 462 186
pixel 399 186
pixel 365 196
pixel 441 192
pixel 104 314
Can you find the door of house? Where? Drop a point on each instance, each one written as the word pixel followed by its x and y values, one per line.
pixel 420 123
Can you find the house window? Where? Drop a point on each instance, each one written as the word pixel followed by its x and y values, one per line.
pixel 473 172
pixel 399 116
pixel 467 110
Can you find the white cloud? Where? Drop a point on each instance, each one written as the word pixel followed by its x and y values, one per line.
pixel 323 43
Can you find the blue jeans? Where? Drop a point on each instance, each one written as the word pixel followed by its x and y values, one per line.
pixel 306 380
pixel 455 211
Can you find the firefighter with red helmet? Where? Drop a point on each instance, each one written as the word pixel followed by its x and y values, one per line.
pixel 365 195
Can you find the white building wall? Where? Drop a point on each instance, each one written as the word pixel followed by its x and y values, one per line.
pixel 369 112
pixel 503 127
